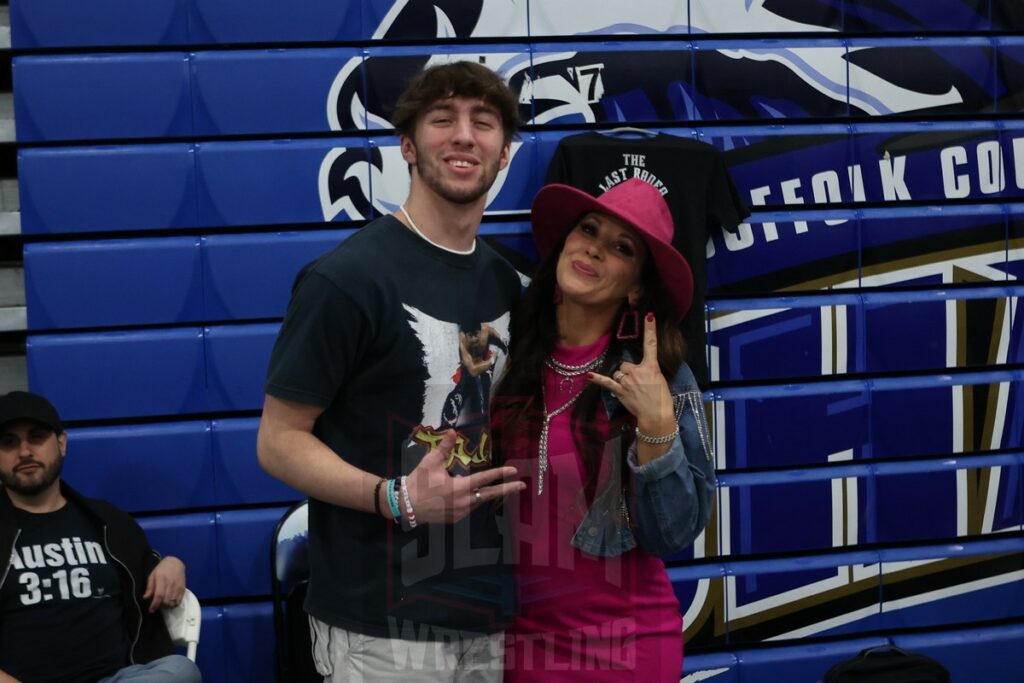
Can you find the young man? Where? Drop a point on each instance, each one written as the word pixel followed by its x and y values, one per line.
pixel 367 357
pixel 80 588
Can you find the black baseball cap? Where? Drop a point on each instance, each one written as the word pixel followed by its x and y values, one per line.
pixel 24 405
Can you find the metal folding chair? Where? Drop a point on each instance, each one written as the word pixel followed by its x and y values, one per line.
pixel 289 574
pixel 184 622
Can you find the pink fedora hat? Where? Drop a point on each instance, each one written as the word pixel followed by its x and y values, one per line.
pixel 557 208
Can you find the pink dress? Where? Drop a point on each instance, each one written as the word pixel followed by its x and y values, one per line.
pixel 581 617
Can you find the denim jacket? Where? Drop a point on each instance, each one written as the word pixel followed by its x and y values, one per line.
pixel 672 495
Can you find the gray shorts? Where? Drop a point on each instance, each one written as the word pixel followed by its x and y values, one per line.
pixel 345 657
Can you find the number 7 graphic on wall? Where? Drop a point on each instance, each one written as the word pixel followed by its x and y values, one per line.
pixel 588 78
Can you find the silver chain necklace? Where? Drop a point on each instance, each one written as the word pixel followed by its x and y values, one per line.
pixel 570 372
pixel 542 459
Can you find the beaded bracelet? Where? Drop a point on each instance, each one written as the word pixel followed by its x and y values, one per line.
pixel 657 440
pixel 392 491
pixel 409 516
pixel 376 497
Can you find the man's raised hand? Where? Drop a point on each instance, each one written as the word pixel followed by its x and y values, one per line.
pixel 437 496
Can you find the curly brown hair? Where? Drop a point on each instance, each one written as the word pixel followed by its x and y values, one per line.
pixel 457 79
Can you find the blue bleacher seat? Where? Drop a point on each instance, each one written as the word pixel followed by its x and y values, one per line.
pixel 69 23
pixel 995 592
pixel 258 21
pixel 193 538
pixel 755 585
pixel 800 662
pixel 236 359
pixel 142 468
pixel 113 282
pixel 210 658
pixel 796 328
pixel 919 172
pixel 95 189
pixel 237 476
pixel 265 91
pixel 243 539
pixel 721 88
pixel 120 374
pixel 248 645
pixel 265 182
pixel 979 654
pixel 756 511
pixel 251 276
pixel 109 96
pixel 944 59
pixel 721 667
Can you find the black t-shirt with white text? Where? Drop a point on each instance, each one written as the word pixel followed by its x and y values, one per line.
pixel 693 179
pixel 61 614
pixel 377 333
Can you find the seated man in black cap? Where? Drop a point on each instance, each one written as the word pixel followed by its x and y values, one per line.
pixel 80 588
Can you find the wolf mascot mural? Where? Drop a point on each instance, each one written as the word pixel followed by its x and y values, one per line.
pixel 585 87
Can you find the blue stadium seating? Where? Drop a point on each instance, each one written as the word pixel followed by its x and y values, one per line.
pixel 949 15
pixel 237 477
pixel 264 182
pixel 226 553
pixel 253 21
pixel 915 169
pixel 800 662
pixel 172 466
pixel 144 468
pixel 243 538
pixel 237 643
pixel 248 642
pixel 236 361
pixel 61 23
pixel 106 96
pixel 210 654
pixel 267 91
pixel 722 666
pixel 880 332
pixel 194 539
pixel 101 189
pixel 973 56
pixel 974 654
pixel 997 591
pixel 104 283
pixel 251 276
pixel 113 374
pixel 1010 70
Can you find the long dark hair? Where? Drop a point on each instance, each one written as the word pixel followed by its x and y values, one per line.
pixel 518 403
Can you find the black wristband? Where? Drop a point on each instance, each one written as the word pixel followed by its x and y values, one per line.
pixel 376 497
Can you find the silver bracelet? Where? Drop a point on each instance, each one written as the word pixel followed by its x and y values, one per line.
pixel 657 440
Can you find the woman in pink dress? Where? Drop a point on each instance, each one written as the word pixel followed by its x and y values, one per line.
pixel 604 420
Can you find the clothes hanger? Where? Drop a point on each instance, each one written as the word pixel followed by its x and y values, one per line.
pixel 630 130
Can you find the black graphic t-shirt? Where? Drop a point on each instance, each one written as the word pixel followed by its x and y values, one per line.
pixel 61 615
pixel 693 179
pixel 400 340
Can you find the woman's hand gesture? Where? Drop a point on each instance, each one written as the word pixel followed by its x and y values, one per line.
pixel 641 388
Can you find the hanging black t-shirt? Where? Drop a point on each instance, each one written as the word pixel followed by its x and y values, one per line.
pixel 372 334
pixel 61 615
pixel 693 179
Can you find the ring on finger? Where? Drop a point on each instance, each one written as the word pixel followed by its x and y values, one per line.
pixel 618 376
pixel 476 494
